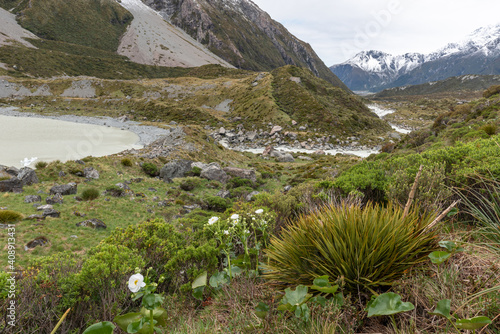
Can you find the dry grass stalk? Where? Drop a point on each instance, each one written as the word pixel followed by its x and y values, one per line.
pixel 412 192
pixel 441 216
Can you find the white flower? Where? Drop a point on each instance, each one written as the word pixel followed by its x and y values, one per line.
pixel 259 211
pixel 235 217
pixel 247 231
pixel 213 220
pixel 136 282
pixel 226 232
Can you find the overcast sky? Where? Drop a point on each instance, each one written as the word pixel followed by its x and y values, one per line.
pixel 338 29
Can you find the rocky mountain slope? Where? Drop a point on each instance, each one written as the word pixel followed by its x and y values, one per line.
pixel 191 33
pixel 479 53
pixel 242 34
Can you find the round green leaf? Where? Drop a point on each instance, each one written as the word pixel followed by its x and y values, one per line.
pixel 104 327
pixel 201 280
pixel 387 304
pixel 261 310
pixel 126 319
pixel 473 323
pixel 443 309
pixel 439 257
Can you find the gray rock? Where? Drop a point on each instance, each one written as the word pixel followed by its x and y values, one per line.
pixel 93 223
pixel 303 157
pixel 62 173
pixel 35 217
pixel 51 213
pixel 223 194
pixel 91 173
pixel 275 129
pixel 250 197
pixel 27 176
pixel 395 135
pixel 282 156
pixel 32 198
pixel 44 207
pixel 214 172
pixel 12 185
pixel 123 186
pixel 287 188
pixel 175 168
pixel 12 170
pixel 39 241
pixel 64 189
pixel 241 173
pixel 56 199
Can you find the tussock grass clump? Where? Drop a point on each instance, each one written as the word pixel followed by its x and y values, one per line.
pixel 41 164
pixel 367 247
pixel 9 216
pixel 90 194
pixel 126 162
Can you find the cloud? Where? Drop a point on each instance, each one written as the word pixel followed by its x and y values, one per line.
pixel 338 29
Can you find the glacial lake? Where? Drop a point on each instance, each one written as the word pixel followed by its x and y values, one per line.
pixel 49 140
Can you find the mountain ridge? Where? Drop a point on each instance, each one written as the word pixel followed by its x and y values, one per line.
pixel 479 53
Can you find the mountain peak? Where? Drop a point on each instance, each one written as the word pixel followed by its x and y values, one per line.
pixel 373 70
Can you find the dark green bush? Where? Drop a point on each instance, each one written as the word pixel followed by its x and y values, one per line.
pixel 126 162
pixel 237 182
pixel 195 171
pixel 9 216
pixel 216 203
pixel 90 194
pixel 240 192
pixel 190 183
pixel 366 247
pixel 150 169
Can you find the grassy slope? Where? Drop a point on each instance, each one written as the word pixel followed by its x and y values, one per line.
pixel 94 23
pixel 191 96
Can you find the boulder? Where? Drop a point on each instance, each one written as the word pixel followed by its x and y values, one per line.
pixel 275 129
pixel 39 241
pixel 51 213
pixel 214 172
pixel 91 173
pixel 35 217
pixel 175 168
pixel 32 198
pixel 123 186
pixel 223 194
pixel 56 199
pixel 268 150
pixel 251 196
pixel 282 156
pixel 64 189
pixel 27 176
pixel 44 207
pixel 12 185
pixel 93 223
pixel 248 174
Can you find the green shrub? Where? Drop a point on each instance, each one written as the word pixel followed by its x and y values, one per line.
pixel 41 165
pixel 237 182
pixel 108 266
pixel 240 192
pixel 195 171
pixel 90 194
pixel 216 203
pixel 366 247
pixel 150 169
pixel 190 183
pixel 9 216
pixel 126 162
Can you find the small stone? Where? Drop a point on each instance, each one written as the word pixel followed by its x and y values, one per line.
pixel 51 213
pixel 44 207
pixel 32 198
pixel 56 199
pixel 93 223
pixel 40 241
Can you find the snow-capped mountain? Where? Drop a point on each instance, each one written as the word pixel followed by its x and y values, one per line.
pixel 479 53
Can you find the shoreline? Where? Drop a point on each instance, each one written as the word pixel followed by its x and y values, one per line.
pixel 146 133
